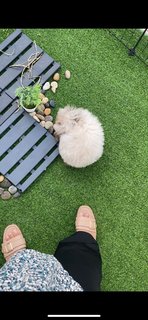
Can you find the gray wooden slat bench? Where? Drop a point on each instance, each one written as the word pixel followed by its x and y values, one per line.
pixel 26 148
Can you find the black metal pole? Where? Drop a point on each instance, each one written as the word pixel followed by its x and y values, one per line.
pixel 132 51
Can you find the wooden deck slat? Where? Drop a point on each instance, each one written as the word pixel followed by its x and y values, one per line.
pixel 19 46
pixel 13 73
pixel 5 100
pixel 10 120
pixel 12 108
pixel 34 158
pixel 44 62
pixel 39 170
pixel 21 148
pixel 10 38
pixel 15 133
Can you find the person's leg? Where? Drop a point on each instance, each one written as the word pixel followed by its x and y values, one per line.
pixel 79 254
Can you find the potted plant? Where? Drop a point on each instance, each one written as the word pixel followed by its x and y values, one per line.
pixel 29 97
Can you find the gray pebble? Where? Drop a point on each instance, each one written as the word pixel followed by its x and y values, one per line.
pixel 16 195
pixel 1 190
pixel 12 189
pixel 41 112
pixel 47 105
pixel 6 195
pixel 40 117
pixel 5 183
pixel 48 124
pixel 49 118
pixel 41 107
pixel 52 103
pixel 42 123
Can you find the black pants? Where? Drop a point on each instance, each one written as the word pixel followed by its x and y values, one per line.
pixel 79 254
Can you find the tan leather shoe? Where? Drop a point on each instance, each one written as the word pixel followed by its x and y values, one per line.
pixel 13 241
pixel 85 220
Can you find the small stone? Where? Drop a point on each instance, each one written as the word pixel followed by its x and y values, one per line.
pixel 48 124
pixel 5 183
pixel 45 100
pixel 2 190
pixel 47 105
pixel 49 118
pixel 50 129
pixel 56 76
pixel 67 74
pixel 41 107
pixel 46 86
pixel 16 195
pixel 54 84
pixel 6 195
pixel 12 189
pixel 53 89
pixel 32 114
pixel 41 95
pixel 41 113
pixel 40 117
pixel 2 178
pixel 36 118
pixel 47 111
pixel 42 123
pixel 52 103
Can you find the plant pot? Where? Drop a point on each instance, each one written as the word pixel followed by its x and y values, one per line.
pixel 30 110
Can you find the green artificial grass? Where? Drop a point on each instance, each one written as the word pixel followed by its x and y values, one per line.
pixel 114 87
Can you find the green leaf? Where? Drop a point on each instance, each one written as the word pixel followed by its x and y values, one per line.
pixel 29 96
